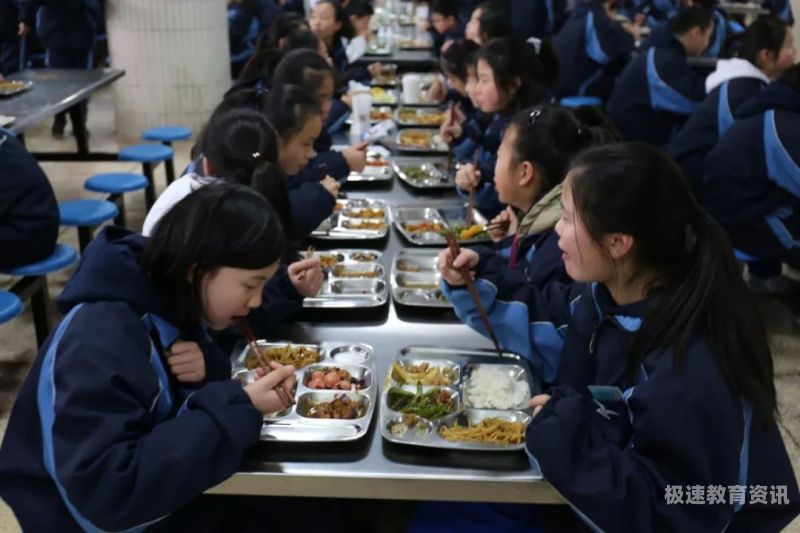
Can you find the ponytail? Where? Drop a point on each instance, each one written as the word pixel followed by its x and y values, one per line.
pixel 698 293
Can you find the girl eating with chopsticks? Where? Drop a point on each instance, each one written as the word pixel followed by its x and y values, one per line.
pixel 101 436
pixel 666 377
pixel 511 75
pixel 531 163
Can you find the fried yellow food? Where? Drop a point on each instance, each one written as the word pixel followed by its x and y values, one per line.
pixel 489 430
pixel 380 96
pixel 470 232
pixel 297 356
pixel 422 374
pixel 424 227
pixel 364 224
pixel 416 138
pixel 412 116
pixel 380 114
pixel 327 261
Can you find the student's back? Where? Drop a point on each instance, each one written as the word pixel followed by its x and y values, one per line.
pixel 658 90
pixel 752 177
pixel 593 49
pixel 29 216
pixel 64 24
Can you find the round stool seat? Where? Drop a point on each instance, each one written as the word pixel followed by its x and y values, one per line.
pixel 577 101
pixel 86 212
pixel 116 182
pixel 146 153
pixel 62 257
pixel 10 306
pixel 167 133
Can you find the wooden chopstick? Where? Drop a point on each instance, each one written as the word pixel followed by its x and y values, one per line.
pixel 473 292
pixel 263 360
pixel 500 224
pixel 470 206
pixel 309 255
pixel 450 154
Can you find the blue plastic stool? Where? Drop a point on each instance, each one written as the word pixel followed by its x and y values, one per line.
pixel 149 155
pixel 577 101
pixel 33 285
pixel 115 184
pixel 85 214
pixel 166 135
pixel 10 306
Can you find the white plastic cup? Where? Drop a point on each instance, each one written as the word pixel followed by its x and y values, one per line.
pixel 362 105
pixel 411 88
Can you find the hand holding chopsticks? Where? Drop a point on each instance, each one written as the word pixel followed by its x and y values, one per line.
pixel 265 363
pixel 467 276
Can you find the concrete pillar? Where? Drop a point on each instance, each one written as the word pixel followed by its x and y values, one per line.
pixel 796 27
pixel 176 57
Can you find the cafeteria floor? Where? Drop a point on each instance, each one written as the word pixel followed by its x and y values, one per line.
pixel 17 344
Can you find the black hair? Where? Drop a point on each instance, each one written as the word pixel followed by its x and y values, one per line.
pixel 699 293
pixel 691 17
pixel 218 225
pixel 346 29
pixel 237 97
pixel 549 137
pixel 495 21
pixel 765 33
pixel 359 8
pixel 305 68
pixel 280 27
pixel 791 77
pixel 454 59
pixel 445 8
pixel 289 107
pixel 520 70
pixel 242 146
pixel 263 62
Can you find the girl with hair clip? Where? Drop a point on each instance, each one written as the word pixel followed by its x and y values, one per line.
pixel 762 53
pixel 309 70
pixel 666 377
pixel 531 162
pixel 751 183
pixel 102 436
pixel 511 75
pixel 241 146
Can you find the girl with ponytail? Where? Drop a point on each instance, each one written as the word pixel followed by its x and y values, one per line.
pixel 666 378
pixel 531 163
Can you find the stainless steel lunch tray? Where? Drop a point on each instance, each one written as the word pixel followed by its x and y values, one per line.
pixel 290 425
pixel 339 292
pixel 418 288
pixel 449 215
pixel 418 111
pixel 460 362
pixel 14 87
pixel 391 100
pixel 380 108
pixel 436 145
pixel 375 50
pixel 338 226
pixel 436 178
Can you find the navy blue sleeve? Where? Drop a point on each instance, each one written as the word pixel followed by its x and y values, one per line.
pixel 527 320
pixel 682 78
pixel 310 204
pixel 118 465
pixel 336 164
pixel 615 42
pixel 280 302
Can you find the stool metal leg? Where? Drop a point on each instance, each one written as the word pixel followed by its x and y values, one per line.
pixel 119 201
pixel 34 288
pixel 85 236
pixel 150 191
pixel 169 166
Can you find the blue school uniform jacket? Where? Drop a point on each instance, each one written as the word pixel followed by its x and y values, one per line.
pixel 596 49
pixel 439 39
pixel 752 179
pixel 536 18
pixel 781 9
pixel 538 262
pixel 63 24
pixel 655 94
pixel 724 28
pixel 310 204
pixel 709 121
pixel 101 437
pixel 618 460
pixel 29 218
pixel 484 143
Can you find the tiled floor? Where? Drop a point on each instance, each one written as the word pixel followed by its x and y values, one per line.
pixel 17 341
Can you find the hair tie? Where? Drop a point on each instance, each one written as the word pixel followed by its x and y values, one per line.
pixel 536 44
pixel 256 155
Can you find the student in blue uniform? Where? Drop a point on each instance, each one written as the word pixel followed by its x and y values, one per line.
pixel 102 435
pixel 66 29
pixel 329 21
pixel 762 54
pixel 781 9
pixel 658 90
pixel 453 63
pixel 445 25
pixel 511 75
pixel 752 179
pixel 29 218
pixel 9 36
pixel 666 379
pixel 595 47
pixel 536 18
pixel 489 20
pixel 531 163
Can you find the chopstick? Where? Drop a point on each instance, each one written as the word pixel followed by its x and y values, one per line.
pixel 452 243
pixel 500 224
pixel 263 361
pixel 309 255
pixel 450 155
pixel 471 201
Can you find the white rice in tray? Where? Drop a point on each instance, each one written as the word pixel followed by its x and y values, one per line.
pixel 492 387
